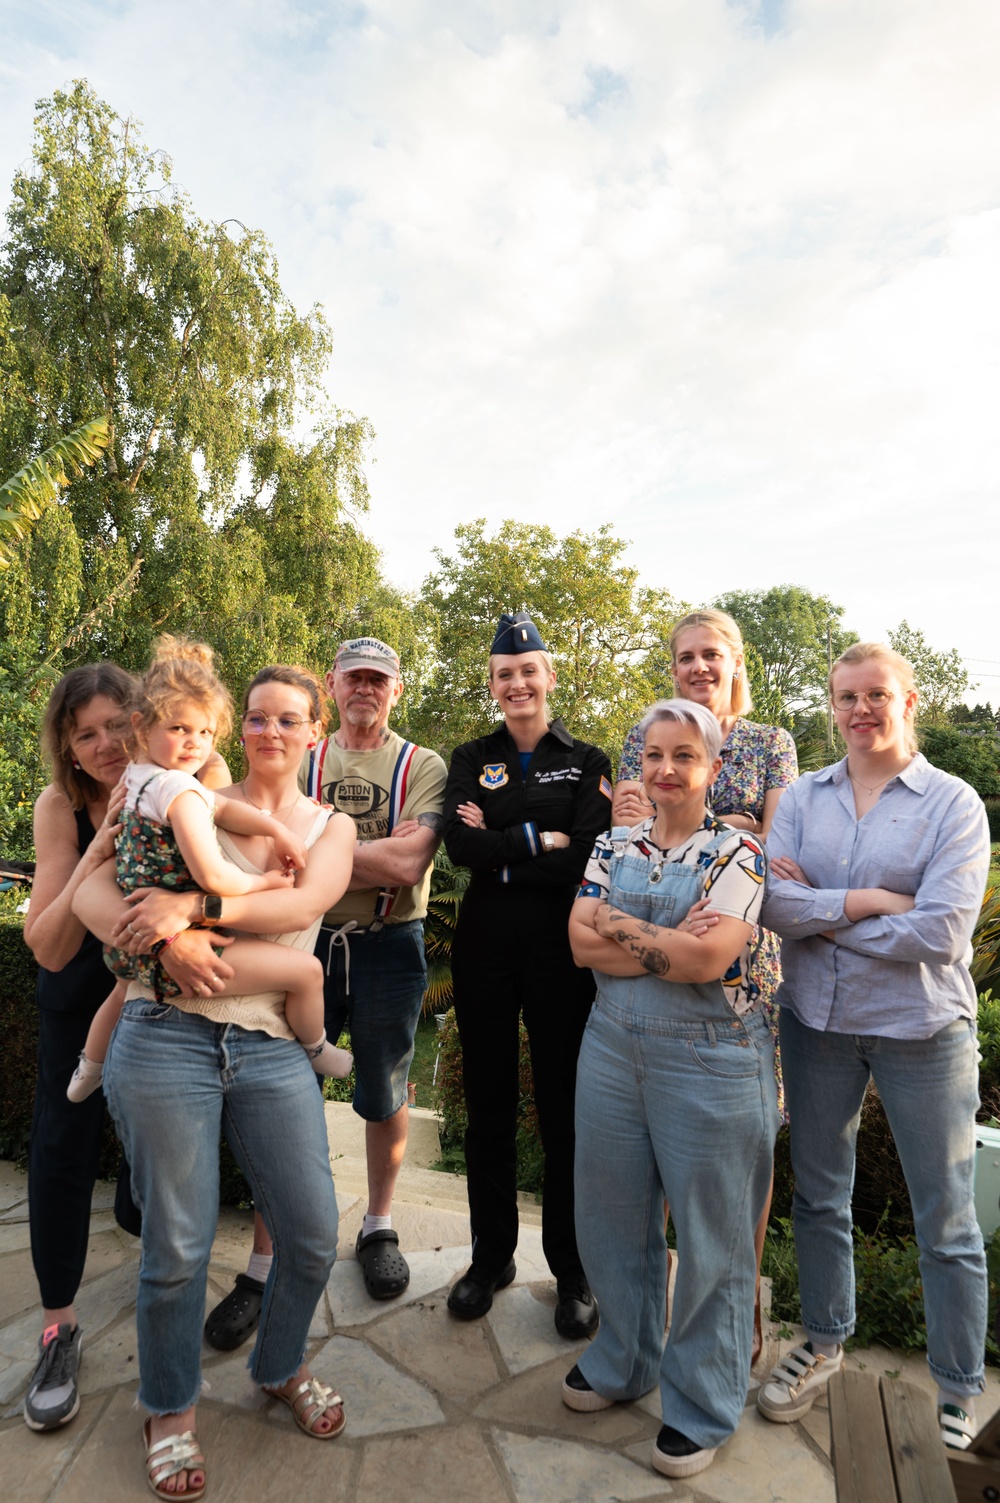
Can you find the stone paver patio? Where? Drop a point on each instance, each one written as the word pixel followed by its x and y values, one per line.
pixel 438 1411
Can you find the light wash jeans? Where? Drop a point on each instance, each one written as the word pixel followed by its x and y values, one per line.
pixel 172 1081
pixel 929 1089
pixel 687 1111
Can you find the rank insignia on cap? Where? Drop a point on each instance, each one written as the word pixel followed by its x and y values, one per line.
pixel 494 775
pixel 605 788
pixel 517 633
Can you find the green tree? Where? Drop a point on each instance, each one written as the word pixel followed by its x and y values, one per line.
pixel 37 484
pixel 787 627
pixel 601 626
pixel 941 676
pixel 215 508
pixel 972 755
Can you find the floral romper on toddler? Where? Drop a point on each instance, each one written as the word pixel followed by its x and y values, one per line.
pixel 148 856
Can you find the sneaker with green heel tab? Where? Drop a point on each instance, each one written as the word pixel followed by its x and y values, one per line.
pixel 958 1429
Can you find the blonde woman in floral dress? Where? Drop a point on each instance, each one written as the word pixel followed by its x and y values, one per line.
pixel 758 764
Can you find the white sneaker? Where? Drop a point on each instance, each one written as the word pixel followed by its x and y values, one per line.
pixel 795 1382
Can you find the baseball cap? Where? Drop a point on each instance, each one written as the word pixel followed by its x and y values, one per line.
pixel 367 652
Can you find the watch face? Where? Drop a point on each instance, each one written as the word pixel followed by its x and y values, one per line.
pixel 211 907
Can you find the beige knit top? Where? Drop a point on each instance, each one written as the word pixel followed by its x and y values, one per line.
pixel 263 1012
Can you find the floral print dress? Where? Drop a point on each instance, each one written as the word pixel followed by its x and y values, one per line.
pixel 147 855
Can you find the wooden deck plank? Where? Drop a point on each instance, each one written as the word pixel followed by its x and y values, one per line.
pixel 919 1458
pixel 858 1443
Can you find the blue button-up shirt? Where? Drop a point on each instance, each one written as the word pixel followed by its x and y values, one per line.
pixel 904 976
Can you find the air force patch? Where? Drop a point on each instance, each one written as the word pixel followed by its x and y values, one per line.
pixel 494 775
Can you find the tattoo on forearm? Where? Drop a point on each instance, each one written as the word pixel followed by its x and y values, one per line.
pixel 653 961
pixel 650 957
pixel 433 822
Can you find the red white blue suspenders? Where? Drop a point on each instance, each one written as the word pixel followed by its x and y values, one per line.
pixel 397 798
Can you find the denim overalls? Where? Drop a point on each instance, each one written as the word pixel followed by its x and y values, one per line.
pixel 675 1100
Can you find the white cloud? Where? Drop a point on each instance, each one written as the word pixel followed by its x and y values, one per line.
pixel 723 274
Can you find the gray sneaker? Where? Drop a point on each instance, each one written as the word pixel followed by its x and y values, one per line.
pixel 53 1397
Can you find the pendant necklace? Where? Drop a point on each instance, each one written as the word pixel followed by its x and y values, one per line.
pixel 274 813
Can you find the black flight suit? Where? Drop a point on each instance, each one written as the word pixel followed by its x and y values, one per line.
pixel 511 959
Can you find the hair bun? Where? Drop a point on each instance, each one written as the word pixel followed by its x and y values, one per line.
pixel 168 646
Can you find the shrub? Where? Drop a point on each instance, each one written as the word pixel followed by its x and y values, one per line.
pixel 972 755
pixel 18 1036
pixel 993 817
pixel 448 887
pixel 889 1294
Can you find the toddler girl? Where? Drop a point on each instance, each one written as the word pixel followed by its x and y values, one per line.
pixel 168 840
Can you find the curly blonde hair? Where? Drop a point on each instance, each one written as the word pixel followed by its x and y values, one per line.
pixel 182 672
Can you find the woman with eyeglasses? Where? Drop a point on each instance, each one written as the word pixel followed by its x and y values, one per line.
pixel 181 1069
pixel 878 866
pixel 168 839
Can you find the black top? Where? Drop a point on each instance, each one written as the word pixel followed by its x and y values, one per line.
pixel 85 981
pixel 567 788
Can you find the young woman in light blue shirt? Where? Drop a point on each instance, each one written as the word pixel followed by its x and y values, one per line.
pixel 878 866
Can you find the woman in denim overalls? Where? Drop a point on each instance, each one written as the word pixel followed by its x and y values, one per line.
pixel 675 1099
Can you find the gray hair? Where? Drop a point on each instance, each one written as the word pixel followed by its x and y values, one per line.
pixel 686 712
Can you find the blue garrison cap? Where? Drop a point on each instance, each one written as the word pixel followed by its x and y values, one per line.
pixel 517 633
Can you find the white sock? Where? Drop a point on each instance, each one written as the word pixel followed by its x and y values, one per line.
pixel 86 1079
pixel 327 1059
pixel 375 1224
pixel 822 1348
pixel 259 1266
pixel 963 1401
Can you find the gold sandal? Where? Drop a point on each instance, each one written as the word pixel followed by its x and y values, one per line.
pixel 168 1458
pixel 308 1403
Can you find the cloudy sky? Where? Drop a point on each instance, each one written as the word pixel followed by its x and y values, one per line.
pixel 720 272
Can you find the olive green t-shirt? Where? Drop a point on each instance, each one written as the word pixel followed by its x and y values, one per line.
pixel 367 785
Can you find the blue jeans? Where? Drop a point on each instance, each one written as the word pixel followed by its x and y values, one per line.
pixel 380 1000
pixel 172 1080
pixel 686 1110
pixel 929 1089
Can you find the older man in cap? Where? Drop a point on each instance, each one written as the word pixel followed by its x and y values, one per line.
pixel 371 945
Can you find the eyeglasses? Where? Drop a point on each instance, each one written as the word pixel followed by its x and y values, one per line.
pixel 875 699
pixel 257 724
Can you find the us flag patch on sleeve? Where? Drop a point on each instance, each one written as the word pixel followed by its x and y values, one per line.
pixel 605 788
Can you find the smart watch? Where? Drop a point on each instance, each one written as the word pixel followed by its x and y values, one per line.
pixel 211 910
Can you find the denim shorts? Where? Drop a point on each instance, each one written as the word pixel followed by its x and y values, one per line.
pixel 387 975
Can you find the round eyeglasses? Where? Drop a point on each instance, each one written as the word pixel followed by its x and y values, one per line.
pixel 256 723
pixel 875 699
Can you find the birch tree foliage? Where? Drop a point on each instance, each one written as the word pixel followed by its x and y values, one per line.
pixel 228 498
pixel 116 298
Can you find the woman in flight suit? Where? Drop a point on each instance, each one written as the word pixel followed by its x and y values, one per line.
pixel 522 809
